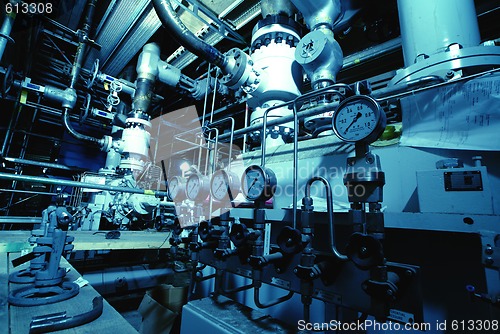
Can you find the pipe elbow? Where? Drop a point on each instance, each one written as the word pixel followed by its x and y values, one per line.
pixel 185 37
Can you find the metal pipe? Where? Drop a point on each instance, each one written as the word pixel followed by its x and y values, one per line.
pixel 405 86
pixel 42 164
pixel 429 27
pixel 230 139
pixel 82 45
pixel 28 192
pixel 329 205
pixel 239 289
pixel 58 182
pixel 185 37
pixel 77 135
pixel 9 131
pixel 300 115
pixel 6 28
pixel 269 304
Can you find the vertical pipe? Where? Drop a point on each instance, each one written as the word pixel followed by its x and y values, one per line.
pixel 82 45
pixel 6 28
pixel 429 26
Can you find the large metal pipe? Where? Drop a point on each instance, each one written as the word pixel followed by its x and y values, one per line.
pixel 277 7
pixel 429 26
pixel 318 12
pixel 58 182
pixel 186 38
pixel 75 74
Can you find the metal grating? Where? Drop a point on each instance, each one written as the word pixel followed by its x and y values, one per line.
pixel 127 27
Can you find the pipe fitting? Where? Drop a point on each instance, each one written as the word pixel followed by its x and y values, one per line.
pixel 319 12
pixel 277 7
pixel 321 57
pixel 168 74
pixel 66 97
pixel 147 64
pixel 240 72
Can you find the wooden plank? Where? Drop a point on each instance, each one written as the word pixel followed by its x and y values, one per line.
pixel 16 241
pixel 4 290
pixel 87 240
pixel 110 322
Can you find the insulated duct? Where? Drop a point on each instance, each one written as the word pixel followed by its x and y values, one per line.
pixel 185 37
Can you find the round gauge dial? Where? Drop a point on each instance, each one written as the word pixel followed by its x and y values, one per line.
pixel 224 186
pixel 359 119
pixel 176 188
pixel 258 184
pixel 197 188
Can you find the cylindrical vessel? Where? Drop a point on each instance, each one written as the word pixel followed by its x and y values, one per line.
pixel 429 26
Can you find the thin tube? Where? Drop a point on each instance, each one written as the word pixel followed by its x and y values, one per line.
pixel 329 204
pixel 280 300
pixel 230 138
pixel 42 164
pixel 301 115
pixel 36 179
pixel 29 192
pixel 238 289
pixel 77 135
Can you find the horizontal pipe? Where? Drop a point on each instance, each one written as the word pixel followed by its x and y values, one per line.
pixel 42 164
pixel 134 278
pixel 57 182
pixel 28 192
pixel 285 119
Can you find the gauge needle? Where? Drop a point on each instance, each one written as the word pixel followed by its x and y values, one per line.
pixel 254 180
pixel 358 115
pixel 220 185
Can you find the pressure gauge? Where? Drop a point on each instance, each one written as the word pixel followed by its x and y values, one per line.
pixel 176 188
pixel 224 186
pixel 258 183
pixel 359 119
pixel 197 187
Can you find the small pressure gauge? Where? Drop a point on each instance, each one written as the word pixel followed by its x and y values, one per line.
pixel 258 183
pixel 224 186
pixel 359 119
pixel 197 187
pixel 176 189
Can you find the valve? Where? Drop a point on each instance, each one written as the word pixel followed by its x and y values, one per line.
pixel 204 230
pixel 290 240
pixel 239 234
pixel 365 251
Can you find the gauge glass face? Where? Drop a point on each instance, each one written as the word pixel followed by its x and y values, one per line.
pixel 254 182
pixel 173 187
pixel 219 185
pixel 356 120
pixel 193 187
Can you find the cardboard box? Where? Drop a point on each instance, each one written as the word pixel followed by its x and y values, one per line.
pixel 160 307
pixel 171 297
